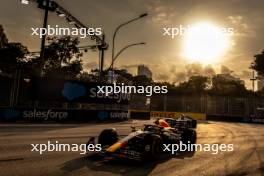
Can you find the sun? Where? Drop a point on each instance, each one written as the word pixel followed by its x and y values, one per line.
pixel 205 43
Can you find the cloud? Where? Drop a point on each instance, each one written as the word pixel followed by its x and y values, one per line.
pixel 241 26
pixel 209 70
pixel 179 77
pixel 194 69
pixel 161 13
pixel 225 70
pixel 130 66
pixel 245 74
pixel 235 19
pixel 162 76
pixel 176 73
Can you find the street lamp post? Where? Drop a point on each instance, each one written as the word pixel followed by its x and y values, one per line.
pixel 122 50
pixel 253 79
pixel 43 40
pixel 114 36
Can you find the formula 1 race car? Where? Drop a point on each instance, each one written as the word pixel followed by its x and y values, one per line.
pixel 143 144
pixel 182 122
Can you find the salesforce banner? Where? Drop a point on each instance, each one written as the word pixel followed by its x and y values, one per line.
pixel 43 89
pixel 60 115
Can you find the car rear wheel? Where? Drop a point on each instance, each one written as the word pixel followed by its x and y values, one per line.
pixel 189 136
pixel 194 123
pixel 152 147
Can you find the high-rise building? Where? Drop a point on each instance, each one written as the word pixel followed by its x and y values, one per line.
pixel 144 70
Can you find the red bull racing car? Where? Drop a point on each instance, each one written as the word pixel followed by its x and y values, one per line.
pixel 144 144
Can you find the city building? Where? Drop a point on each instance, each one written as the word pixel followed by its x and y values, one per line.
pixel 144 70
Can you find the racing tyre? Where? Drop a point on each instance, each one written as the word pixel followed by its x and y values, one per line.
pixel 152 147
pixel 189 136
pixel 194 123
pixel 108 137
pixel 194 136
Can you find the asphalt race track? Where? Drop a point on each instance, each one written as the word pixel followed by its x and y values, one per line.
pixel 16 158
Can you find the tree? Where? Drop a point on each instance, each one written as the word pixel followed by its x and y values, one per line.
pixel 195 84
pixel 62 58
pixel 88 77
pixel 11 56
pixel 3 38
pixel 227 85
pixel 142 80
pixel 123 76
pixel 258 63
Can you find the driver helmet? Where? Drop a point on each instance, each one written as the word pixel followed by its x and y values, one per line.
pixel 157 121
pixel 182 116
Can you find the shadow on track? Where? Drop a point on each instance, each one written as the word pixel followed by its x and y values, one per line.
pixel 119 166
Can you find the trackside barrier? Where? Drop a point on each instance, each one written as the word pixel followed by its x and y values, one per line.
pixel 197 116
pixel 140 114
pixel 61 115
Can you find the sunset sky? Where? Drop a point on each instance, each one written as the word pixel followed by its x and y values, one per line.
pixel 170 59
